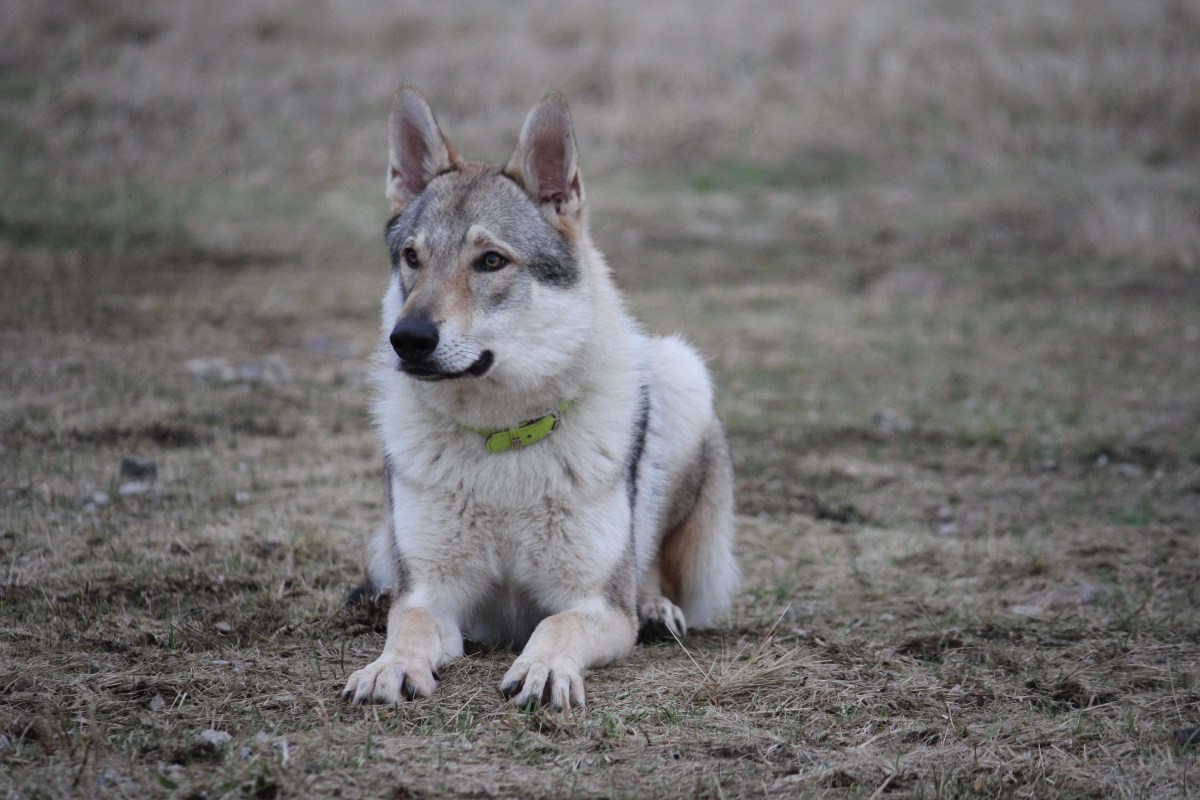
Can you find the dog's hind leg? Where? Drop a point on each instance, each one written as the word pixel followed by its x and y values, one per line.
pixel 696 569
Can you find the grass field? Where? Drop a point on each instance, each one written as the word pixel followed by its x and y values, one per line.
pixel 944 258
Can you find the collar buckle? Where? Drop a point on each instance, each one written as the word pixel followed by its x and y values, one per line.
pixel 529 432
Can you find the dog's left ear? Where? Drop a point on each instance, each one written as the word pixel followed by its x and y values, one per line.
pixel 544 162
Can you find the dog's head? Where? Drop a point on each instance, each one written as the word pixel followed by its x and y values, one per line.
pixel 487 262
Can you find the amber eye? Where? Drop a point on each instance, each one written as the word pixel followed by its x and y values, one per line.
pixel 492 261
pixel 410 258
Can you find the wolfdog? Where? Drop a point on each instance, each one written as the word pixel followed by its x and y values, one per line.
pixel 553 472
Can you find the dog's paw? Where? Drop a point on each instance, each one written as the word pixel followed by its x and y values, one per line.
pixel 660 619
pixel 555 683
pixel 389 678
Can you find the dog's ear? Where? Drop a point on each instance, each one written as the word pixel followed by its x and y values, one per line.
pixel 544 162
pixel 417 149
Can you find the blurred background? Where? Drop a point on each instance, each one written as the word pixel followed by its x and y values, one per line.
pixel 848 134
pixel 917 189
pixel 943 256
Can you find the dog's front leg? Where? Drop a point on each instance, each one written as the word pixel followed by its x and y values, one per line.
pixel 417 644
pixel 550 669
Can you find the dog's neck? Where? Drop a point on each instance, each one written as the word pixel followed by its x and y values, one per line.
pixel 483 405
pixel 490 403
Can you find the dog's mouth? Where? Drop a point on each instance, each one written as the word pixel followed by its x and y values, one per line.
pixel 423 371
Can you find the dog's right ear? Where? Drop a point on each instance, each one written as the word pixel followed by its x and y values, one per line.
pixel 417 150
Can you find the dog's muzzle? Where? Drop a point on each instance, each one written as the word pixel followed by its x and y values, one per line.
pixel 415 340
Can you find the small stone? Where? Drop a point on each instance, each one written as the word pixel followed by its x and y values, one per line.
pixel 241 498
pixel 157 703
pixel 44 493
pixel 133 488
pixel 947 529
pixel 93 500
pixel 1102 460
pixel 110 777
pixel 1059 599
pixel 945 513
pixel 282 746
pixel 219 371
pixel 887 616
pixel 798 610
pixel 211 370
pixel 138 468
pixel 5 742
pixel 1188 737
pixel 1127 470
pixel 214 739
pixel 223 627
pixel 889 421
pixel 1079 594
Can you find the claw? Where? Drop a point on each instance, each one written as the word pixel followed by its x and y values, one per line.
pixel 552 684
pixel 409 692
pixel 389 680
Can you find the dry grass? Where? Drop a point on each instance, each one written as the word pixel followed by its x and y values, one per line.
pixel 943 258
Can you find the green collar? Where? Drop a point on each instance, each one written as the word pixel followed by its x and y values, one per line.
pixel 528 432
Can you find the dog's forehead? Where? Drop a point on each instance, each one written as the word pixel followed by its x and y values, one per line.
pixel 441 219
pixel 455 202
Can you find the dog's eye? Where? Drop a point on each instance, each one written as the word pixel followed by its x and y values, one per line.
pixel 410 258
pixel 492 261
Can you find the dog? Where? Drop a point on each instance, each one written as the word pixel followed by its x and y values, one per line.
pixel 553 472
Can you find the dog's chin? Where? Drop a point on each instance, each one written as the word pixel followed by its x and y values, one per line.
pixel 430 373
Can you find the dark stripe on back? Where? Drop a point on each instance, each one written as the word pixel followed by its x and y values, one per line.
pixel 622 585
pixel 639 446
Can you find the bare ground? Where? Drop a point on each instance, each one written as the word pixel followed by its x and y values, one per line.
pixel 944 259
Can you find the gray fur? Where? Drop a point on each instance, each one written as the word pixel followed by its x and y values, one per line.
pixel 558 547
pixel 621 589
pixel 400 577
pixel 456 200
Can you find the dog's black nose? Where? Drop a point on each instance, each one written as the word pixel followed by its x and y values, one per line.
pixel 414 339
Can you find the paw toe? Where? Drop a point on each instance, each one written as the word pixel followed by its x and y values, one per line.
pixel 535 684
pixel 387 681
pixel 662 620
